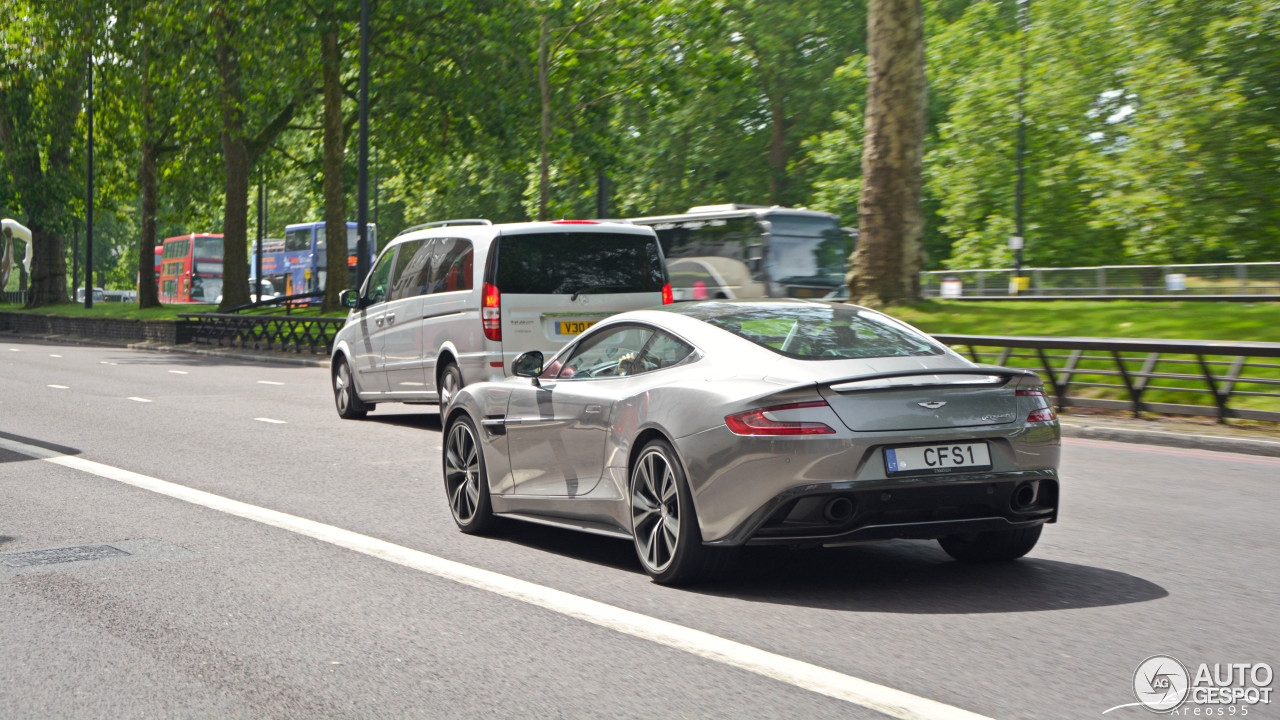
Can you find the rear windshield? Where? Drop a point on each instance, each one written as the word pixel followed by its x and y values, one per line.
pixel 822 332
pixel 589 263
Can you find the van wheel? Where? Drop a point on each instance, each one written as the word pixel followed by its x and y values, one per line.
pixel 450 384
pixel 350 407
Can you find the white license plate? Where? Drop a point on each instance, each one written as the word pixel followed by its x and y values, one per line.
pixel 923 459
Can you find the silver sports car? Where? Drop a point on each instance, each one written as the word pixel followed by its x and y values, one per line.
pixel 701 427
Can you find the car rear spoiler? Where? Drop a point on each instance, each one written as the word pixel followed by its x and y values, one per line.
pixel 880 381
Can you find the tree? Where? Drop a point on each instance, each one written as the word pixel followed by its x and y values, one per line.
pixel 257 101
pixel 887 262
pixel 46 55
pixel 337 278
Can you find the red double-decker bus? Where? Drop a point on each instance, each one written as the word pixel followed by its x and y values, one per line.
pixel 191 268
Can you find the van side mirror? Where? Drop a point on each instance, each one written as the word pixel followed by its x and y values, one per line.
pixel 349 299
pixel 527 364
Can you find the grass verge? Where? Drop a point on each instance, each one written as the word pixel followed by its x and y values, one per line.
pixel 1254 322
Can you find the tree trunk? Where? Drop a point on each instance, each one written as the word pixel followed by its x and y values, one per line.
pixel 544 139
pixel 148 293
pixel 887 263
pixel 337 278
pixel 48 262
pixel 236 163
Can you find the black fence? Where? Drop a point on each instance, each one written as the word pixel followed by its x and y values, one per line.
pixel 1170 377
pixel 290 323
pixel 264 332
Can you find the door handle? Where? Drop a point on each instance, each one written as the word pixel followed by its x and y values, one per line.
pixel 391 319
pixel 378 322
pixel 593 408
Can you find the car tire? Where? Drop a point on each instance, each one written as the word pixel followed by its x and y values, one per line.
pixel 450 384
pixel 993 546
pixel 350 406
pixel 664 525
pixel 466 484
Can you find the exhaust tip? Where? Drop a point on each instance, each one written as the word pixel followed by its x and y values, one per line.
pixel 1024 496
pixel 838 509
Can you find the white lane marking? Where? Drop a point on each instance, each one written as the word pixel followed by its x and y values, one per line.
pixel 269 420
pixel 269 382
pixel 138 399
pixel 179 372
pixel 59 387
pixel 54 355
pixel 882 699
pixel 14 350
pixel 105 362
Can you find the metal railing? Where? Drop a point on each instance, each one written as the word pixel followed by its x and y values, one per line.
pixel 1252 281
pixel 1144 375
pixel 260 326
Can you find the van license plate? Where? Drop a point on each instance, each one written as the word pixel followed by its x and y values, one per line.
pixel 575 327
pixel 925 459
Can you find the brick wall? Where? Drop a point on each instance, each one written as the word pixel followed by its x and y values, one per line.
pixel 109 331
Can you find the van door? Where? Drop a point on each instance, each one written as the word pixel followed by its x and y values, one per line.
pixel 556 284
pixel 366 348
pixel 402 322
pixel 449 294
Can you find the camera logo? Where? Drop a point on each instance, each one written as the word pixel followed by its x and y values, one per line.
pixel 1161 683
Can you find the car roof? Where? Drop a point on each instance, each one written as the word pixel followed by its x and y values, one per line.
pixel 479 233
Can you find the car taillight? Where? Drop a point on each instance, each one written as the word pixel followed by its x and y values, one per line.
pixel 1041 415
pixel 491 312
pixel 1033 392
pixel 668 297
pixel 574 222
pixel 754 422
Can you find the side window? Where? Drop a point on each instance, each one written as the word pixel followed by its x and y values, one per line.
pixel 297 240
pixel 404 279
pixel 424 261
pixel 376 285
pixel 453 269
pixel 663 351
pixel 608 354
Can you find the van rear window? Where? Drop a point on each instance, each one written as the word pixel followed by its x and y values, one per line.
pixel 582 262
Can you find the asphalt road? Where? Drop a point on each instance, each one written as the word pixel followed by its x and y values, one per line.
pixel 235 610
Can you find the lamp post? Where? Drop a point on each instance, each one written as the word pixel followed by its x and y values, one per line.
pixel 362 185
pixel 1016 242
pixel 88 212
pixel 257 255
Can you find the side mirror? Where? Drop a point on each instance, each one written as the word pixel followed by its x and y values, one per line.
pixel 349 299
pixel 527 364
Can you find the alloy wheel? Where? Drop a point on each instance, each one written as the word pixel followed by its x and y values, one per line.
pixel 462 473
pixel 341 383
pixel 655 510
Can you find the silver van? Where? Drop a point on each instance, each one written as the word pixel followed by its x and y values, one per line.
pixel 452 303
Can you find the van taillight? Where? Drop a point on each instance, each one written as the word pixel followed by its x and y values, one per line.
pixel 491 312
pixel 667 296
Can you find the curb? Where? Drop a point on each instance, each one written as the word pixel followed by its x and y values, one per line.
pixel 1217 443
pixel 280 358
pixel 245 355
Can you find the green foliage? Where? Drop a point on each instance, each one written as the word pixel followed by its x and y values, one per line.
pixel 1151 128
